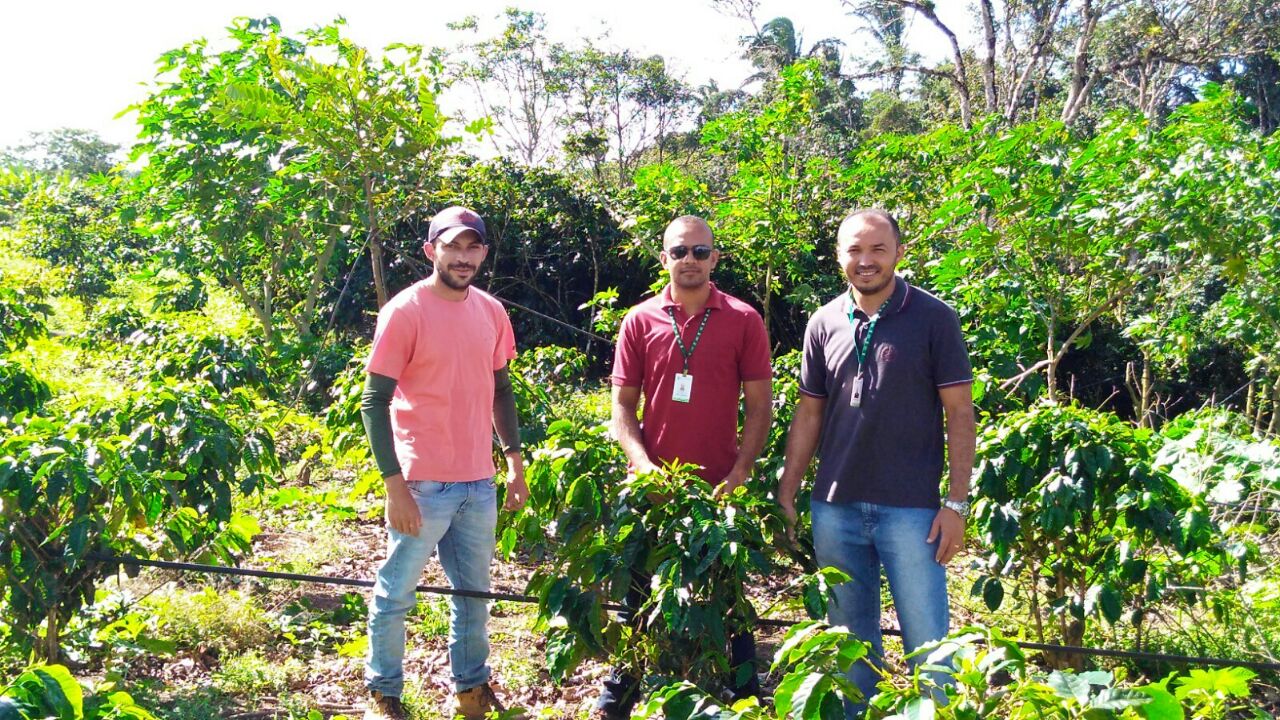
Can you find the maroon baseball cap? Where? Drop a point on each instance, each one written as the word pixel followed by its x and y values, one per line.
pixel 451 221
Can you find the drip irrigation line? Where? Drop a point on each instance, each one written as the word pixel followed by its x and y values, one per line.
pixel 763 622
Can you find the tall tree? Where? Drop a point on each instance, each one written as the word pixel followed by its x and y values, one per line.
pixel 514 79
pixel 272 161
pixel 81 153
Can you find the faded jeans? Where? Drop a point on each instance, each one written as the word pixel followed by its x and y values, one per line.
pixel 859 538
pixel 459 520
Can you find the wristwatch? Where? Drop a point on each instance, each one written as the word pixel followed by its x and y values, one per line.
pixel 960 507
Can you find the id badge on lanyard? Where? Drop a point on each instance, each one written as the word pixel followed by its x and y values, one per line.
pixel 861 350
pixel 682 389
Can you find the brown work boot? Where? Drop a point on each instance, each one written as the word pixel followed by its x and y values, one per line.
pixel 477 702
pixel 383 707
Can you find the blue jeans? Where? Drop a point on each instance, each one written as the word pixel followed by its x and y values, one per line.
pixel 860 537
pixel 458 518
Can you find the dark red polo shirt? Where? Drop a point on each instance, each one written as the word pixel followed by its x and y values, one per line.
pixel 734 349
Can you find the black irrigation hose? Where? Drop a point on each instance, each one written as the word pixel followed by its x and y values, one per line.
pixel 764 622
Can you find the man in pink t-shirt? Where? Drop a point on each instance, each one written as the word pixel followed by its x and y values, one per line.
pixel 437 384
pixel 692 352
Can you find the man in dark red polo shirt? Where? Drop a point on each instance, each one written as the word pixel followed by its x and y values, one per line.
pixel 693 352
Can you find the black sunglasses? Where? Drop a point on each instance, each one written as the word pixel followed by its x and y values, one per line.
pixel 700 252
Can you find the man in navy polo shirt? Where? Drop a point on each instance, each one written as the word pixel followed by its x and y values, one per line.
pixel 692 351
pixel 885 367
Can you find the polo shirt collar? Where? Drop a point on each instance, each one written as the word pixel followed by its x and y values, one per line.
pixel 897 301
pixel 715 301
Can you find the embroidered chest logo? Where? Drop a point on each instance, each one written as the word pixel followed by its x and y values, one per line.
pixel 886 354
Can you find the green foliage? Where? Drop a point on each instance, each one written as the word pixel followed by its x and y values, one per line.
pixel 1215 454
pixel 250 674
pixel 117 318
pixel 617 533
pixel 15 185
pixel 275 162
pixel 552 238
pixel 162 351
pixel 70 151
pixel 567 477
pixel 155 473
pixel 1070 503
pixel 20 390
pixel 84 228
pixel 227 620
pixel 1214 691
pixel 23 313
pixel 344 430
pixel 50 692
pixel 545 381
pixel 990 677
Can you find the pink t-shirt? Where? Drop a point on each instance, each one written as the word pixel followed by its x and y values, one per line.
pixel 443 355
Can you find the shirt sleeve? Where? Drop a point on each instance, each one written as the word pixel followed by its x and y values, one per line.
pixel 393 341
pixel 950 356
pixel 754 363
pixel 504 350
pixel 628 354
pixel 813 365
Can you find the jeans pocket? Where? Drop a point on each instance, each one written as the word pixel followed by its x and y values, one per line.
pixel 425 488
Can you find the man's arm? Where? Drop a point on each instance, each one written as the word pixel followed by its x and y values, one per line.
pixel 375 410
pixel 802 442
pixel 962 433
pixel 506 421
pixel 757 397
pixel 625 423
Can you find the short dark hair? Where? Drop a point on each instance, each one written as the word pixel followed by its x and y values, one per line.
pixel 880 214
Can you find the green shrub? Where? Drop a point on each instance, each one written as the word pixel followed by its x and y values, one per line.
pixel 700 552
pixel 1073 510
pixel 23 314
pixel 229 621
pixel 251 674
pixel 20 389
pixel 226 363
pixel 50 692
pixel 118 318
pixel 154 473
pixel 1215 454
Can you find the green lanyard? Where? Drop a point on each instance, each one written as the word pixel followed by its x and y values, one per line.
pixel 706 313
pixel 871 328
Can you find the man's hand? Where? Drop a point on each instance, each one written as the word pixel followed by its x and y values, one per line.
pixel 789 515
pixel 734 480
pixel 517 489
pixel 948 530
pixel 402 511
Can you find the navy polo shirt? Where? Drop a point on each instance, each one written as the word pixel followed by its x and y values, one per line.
pixel 888 451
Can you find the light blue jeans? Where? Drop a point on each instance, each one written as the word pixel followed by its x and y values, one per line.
pixel 859 538
pixel 458 519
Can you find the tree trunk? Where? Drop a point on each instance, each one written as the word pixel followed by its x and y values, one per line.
pixel 989 62
pixel 375 244
pixel 51 645
pixel 1274 425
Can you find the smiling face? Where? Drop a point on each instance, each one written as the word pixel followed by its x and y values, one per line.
pixel 457 259
pixel 868 251
pixel 689 272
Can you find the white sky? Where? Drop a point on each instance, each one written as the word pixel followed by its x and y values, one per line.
pixel 74 63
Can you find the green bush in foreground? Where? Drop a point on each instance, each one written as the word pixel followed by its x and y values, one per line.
pixel 49 692
pixel 992 679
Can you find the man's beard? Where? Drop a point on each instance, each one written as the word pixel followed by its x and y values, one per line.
pixel 452 281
